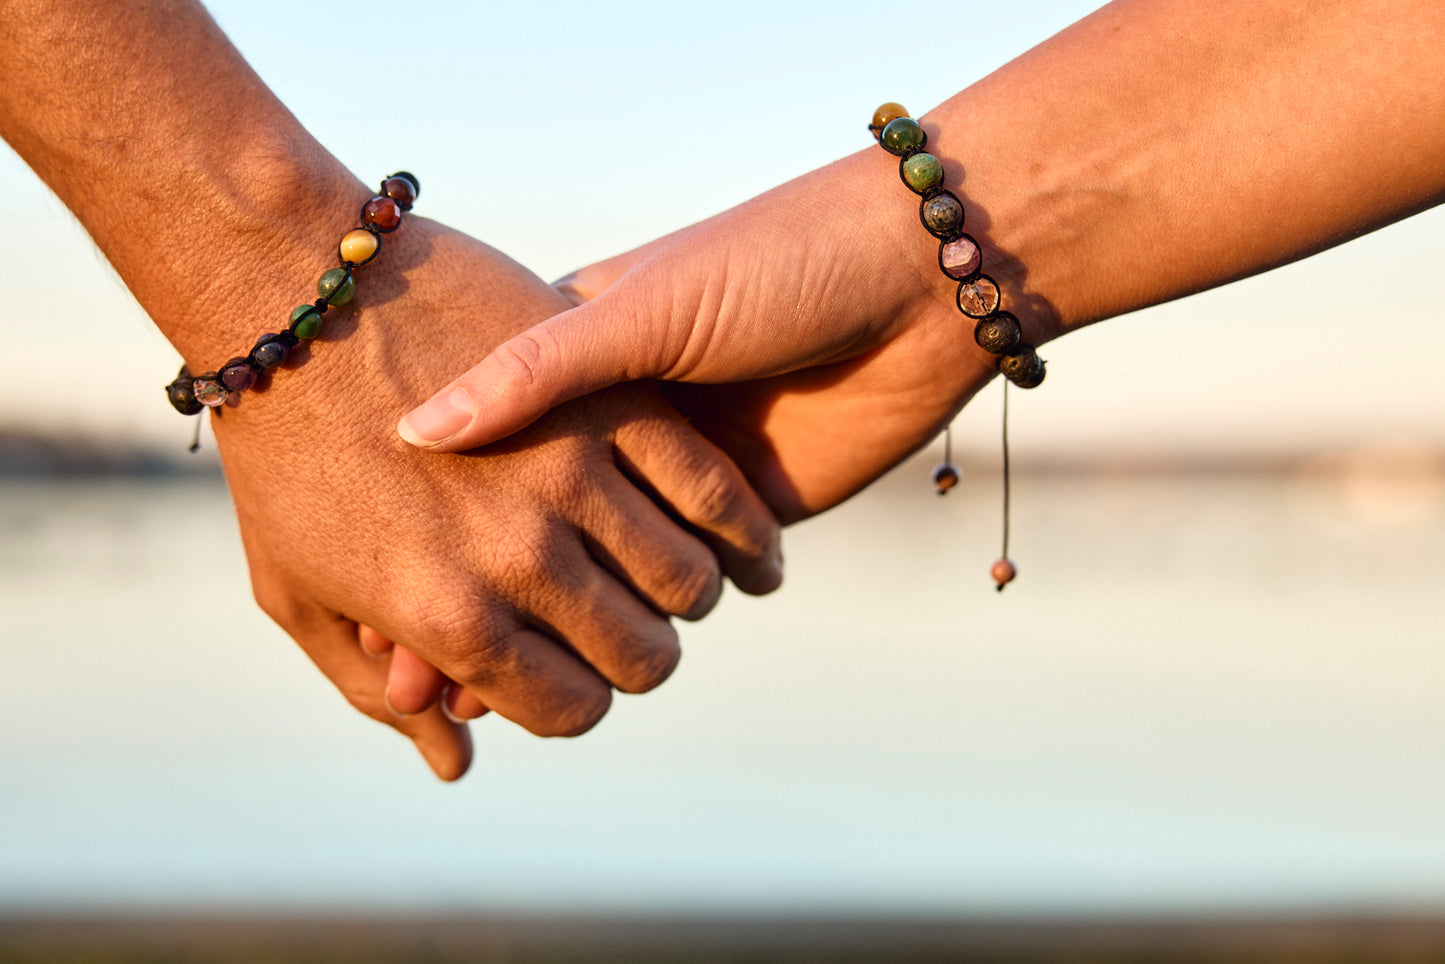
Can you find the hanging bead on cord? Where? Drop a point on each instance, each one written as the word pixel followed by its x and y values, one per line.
pixel 961 259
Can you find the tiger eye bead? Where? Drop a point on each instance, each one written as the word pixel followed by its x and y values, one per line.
pixel 305 322
pixel 238 375
pixel 383 212
pixel 979 297
pixel 336 286
pixel 902 135
pixel 945 477
pixel 358 246
pixel 922 173
pixel 998 334
pixel 887 113
pixel 1023 367
pixel 209 390
pixel 942 215
pixel 400 189
pixel 269 351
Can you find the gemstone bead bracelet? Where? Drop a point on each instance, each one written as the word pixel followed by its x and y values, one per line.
pixel 189 394
pixel 960 258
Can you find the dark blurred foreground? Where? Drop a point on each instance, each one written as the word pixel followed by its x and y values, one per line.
pixel 362 940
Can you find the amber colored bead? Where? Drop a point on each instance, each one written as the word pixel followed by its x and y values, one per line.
pixel 400 189
pixel 998 334
pixel 922 173
pixel 945 477
pixel 902 135
pixel 209 390
pixel 978 298
pixel 1003 573
pixel 359 246
pixel 887 113
pixel 305 322
pixel 336 286
pixel 383 212
pixel 1023 367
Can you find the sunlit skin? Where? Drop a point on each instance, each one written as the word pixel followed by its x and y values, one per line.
pixel 1154 149
pixel 539 575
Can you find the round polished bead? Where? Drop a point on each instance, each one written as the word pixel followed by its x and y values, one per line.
pixel 336 286
pixel 998 334
pixel 902 135
pixel 415 182
pixel 400 189
pixel 886 113
pixel 945 477
pixel 922 173
pixel 269 351
pixel 209 390
pixel 941 214
pixel 305 322
pixel 978 298
pixel 1003 573
pixel 359 246
pixel 383 212
pixel 238 374
pixel 1023 367
pixel 181 395
pixel 960 258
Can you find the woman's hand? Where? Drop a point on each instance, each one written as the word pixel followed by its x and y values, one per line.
pixel 822 298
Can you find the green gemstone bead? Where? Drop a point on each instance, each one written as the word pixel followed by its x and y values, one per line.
pixel 336 281
pixel 305 321
pixel 922 172
pixel 901 135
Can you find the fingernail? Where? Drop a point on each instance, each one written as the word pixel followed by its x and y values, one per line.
pixel 446 702
pixel 386 698
pixel 438 418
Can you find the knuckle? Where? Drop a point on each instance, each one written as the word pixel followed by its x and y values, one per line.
pixel 716 495
pixel 519 359
pixel 535 558
pixel 694 586
pixel 579 714
pixel 654 663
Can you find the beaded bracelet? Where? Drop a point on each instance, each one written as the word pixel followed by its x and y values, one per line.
pixel 380 215
pixel 961 259
pixel 959 256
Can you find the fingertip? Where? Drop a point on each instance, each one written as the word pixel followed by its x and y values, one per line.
pixel 440 420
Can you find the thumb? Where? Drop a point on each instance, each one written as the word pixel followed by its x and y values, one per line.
pixel 569 355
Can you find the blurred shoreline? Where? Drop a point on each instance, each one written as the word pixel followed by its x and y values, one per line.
pixel 357 937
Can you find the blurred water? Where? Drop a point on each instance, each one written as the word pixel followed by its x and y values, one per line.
pixel 1224 693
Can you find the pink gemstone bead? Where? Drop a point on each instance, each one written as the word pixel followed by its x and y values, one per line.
pixel 960 258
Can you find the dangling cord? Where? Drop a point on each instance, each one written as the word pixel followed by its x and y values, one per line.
pixel 196 438
pixel 1003 570
pixel 945 474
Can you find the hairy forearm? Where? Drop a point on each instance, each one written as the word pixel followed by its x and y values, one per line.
pixel 1160 147
pixel 194 180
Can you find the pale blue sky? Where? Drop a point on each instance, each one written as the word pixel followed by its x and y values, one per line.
pixel 564 132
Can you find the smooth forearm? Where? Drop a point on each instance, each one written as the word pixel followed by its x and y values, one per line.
pixel 1160 147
